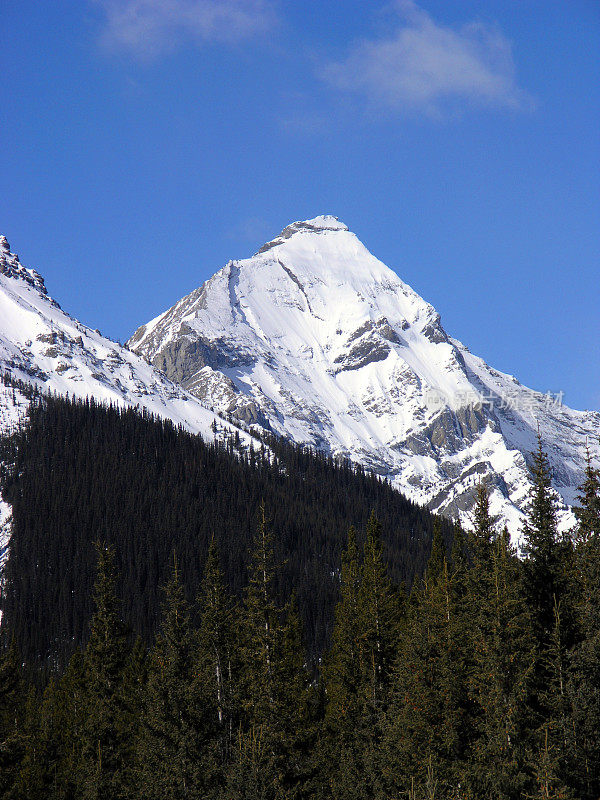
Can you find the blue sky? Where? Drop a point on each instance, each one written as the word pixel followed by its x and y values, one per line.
pixel 144 143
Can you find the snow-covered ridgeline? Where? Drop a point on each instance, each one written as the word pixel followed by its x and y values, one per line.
pixel 42 345
pixel 320 341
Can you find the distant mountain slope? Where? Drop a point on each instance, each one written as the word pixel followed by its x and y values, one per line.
pixel 43 345
pixel 316 339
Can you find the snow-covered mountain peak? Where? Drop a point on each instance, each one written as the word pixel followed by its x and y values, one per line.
pixel 318 225
pixel 12 267
pixel 318 340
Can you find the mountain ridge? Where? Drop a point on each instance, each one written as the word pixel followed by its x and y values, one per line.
pixel 43 345
pixel 315 338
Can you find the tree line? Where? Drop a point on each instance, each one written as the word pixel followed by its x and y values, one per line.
pixel 80 471
pixel 480 681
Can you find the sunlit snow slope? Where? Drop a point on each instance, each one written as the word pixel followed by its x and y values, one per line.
pixel 315 338
pixel 42 345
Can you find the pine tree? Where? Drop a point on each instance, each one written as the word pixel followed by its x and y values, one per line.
pixel 131 698
pixel 484 523
pixel 175 759
pixel 550 587
pixel 65 726
pixel 378 628
pixel 542 568
pixel 427 727
pixel 583 684
pixel 504 659
pixel 588 510
pixel 379 613
pixel 99 770
pixel 259 629
pixel 346 735
pixel 274 682
pixel 342 668
pixel 12 711
pixel 217 652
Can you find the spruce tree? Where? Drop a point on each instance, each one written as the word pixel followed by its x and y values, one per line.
pixel 550 588
pixel 175 760
pixel 541 548
pixel 342 666
pixel 273 681
pixel 65 711
pixel 379 615
pixel 217 652
pixel 427 727
pixel 100 767
pixel 588 510
pixel 12 715
pixel 347 737
pixel 504 652
pixel 259 629
pixel 583 685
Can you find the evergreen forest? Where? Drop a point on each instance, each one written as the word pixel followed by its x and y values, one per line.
pixel 185 620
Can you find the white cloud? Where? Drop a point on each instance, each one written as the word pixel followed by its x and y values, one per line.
pixel 428 67
pixel 147 28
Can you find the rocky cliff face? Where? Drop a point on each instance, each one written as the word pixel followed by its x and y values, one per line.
pixel 316 339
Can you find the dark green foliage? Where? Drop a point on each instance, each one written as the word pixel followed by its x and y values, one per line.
pixel 428 722
pixel 359 667
pixel 175 757
pixel 583 661
pixel 81 472
pixel 503 651
pixel 14 724
pixel 588 512
pixel 217 660
pixel 483 683
pixel 273 682
pixel 543 549
pixel 106 733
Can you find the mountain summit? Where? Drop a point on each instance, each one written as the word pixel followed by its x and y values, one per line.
pixel 316 339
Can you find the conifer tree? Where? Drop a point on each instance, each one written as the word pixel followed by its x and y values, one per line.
pixel 131 698
pixel 588 510
pixel 379 615
pixel 100 766
pixel 33 778
pixel 542 567
pixel 584 659
pixel 65 709
pixel 273 682
pixel 12 713
pixel 175 759
pixel 427 726
pixel 216 653
pixel 504 659
pixel 549 584
pixel 484 524
pixel 259 629
pixel 342 667
pixel 347 737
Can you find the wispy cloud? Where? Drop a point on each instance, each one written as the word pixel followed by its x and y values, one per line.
pixel 424 66
pixel 147 28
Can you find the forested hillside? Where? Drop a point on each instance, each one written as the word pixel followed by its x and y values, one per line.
pixel 81 472
pixel 482 683
pixel 193 587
